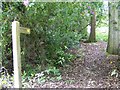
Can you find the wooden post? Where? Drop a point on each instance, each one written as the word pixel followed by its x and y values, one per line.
pixel 16 54
pixel 16 30
pixel 0 37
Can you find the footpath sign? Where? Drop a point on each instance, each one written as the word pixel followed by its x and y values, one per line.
pixel 16 31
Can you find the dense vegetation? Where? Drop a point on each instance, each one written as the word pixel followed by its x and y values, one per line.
pixel 55 29
pixel 60 45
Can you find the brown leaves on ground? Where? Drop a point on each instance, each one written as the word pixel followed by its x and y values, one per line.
pixel 92 69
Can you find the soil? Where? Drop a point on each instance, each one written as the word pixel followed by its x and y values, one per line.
pixel 91 69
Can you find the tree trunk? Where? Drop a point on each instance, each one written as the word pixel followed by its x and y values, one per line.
pixel 114 29
pixel 92 37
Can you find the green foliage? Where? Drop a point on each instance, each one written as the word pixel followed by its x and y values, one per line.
pixel 102 36
pixel 9 12
pixel 59 78
pixel 55 28
pixel 70 81
pixel 52 71
pixel 42 79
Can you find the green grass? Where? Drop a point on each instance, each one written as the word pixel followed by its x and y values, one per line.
pixel 102 35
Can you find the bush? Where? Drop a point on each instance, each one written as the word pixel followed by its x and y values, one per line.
pixel 54 29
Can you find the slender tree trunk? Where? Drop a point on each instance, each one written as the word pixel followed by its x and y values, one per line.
pixel 92 37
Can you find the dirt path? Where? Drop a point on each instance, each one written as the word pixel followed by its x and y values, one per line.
pixel 91 70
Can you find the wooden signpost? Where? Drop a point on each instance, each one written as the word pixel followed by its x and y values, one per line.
pixel 16 30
